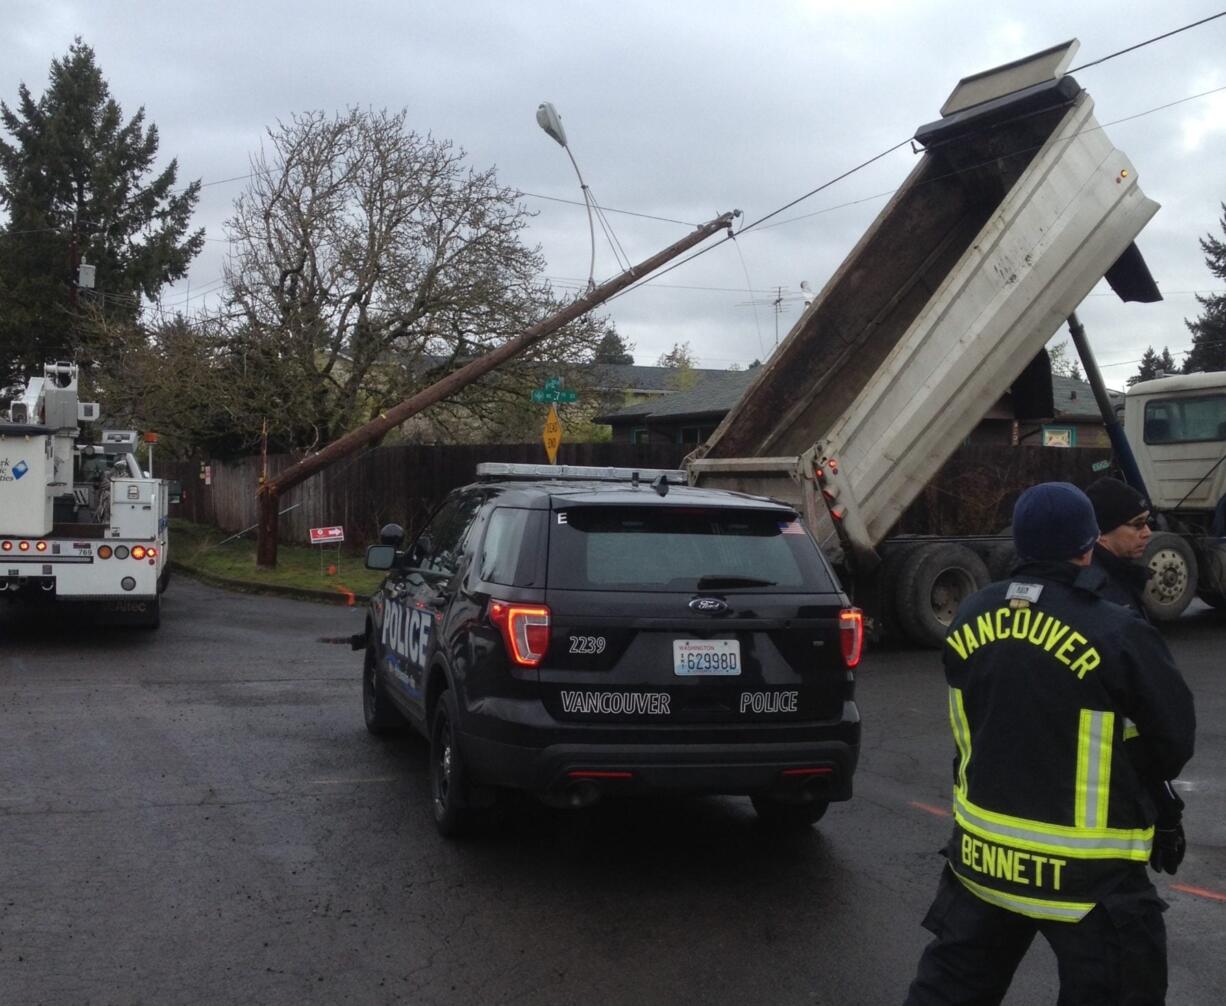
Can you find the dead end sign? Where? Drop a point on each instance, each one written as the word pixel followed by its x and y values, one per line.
pixel 327 535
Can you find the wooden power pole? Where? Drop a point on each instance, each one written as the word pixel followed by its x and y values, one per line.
pixel 270 491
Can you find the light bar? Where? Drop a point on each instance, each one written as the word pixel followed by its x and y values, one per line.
pixel 577 473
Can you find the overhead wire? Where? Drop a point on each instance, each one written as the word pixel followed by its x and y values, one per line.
pixel 619 253
pixel 757 223
pixel 1148 41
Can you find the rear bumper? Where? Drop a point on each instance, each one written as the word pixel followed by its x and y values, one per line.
pixel 819 768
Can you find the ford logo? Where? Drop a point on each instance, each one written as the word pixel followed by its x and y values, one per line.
pixel 709 605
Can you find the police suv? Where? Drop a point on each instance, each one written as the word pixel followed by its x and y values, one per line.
pixel 580 632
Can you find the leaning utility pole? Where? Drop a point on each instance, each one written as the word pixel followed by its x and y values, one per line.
pixel 370 433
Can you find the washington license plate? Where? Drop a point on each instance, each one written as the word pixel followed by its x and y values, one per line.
pixel 706 656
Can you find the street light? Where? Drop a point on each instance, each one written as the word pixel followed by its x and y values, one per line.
pixel 548 119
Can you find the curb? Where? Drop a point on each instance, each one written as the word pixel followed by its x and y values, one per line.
pixel 344 598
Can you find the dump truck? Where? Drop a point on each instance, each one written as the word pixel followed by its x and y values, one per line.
pixel 81 525
pixel 1018 206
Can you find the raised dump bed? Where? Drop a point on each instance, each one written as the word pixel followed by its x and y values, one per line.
pixel 1018 206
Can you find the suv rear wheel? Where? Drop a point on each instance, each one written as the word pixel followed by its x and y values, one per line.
pixel 447 775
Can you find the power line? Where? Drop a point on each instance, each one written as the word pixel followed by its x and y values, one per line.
pixel 1148 41
pixel 884 153
pixel 1014 153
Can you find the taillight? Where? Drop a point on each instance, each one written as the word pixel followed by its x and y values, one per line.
pixel 6 546
pixel 138 551
pixel 104 551
pixel 525 630
pixel 851 635
pixel 23 546
pixel 40 546
pixel 152 553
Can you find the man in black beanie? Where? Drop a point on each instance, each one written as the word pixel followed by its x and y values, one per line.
pixel 1123 524
pixel 1068 714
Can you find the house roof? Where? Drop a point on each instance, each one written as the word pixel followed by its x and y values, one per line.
pixel 712 396
pixel 718 393
pixel 643 380
pixel 1074 399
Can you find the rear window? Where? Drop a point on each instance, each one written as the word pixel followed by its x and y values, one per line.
pixel 510 552
pixel 683 548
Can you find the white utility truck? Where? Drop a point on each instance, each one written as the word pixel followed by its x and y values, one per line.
pixel 1019 204
pixel 80 523
pixel 1177 429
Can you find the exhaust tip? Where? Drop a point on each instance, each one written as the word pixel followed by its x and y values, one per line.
pixel 583 793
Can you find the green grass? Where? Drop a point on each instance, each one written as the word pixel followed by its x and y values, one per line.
pixel 199 548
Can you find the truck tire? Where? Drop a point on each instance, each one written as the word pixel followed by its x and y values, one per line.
pixel 887 588
pixel 1001 557
pixel 1213 598
pixel 935 580
pixel 1173 584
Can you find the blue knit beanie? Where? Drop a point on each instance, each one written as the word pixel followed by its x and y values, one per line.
pixel 1054 520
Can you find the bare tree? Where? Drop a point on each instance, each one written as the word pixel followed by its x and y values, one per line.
pixel 366 259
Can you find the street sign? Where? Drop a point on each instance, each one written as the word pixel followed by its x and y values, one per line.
pixel 552 436
pixel 553 384
pixel 544 395
pixel 327 535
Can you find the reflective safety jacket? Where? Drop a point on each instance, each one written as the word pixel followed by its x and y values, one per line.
pixel 1065 709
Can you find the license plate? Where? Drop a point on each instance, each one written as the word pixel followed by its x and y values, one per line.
pixel 692 657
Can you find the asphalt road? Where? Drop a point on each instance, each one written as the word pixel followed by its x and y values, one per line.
pixel 196 815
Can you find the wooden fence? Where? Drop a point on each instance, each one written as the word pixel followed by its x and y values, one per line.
pixel 973 494
pixel 401 484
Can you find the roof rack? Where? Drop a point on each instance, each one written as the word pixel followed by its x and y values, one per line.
pixel 490 470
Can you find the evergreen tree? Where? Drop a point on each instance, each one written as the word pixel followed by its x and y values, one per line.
pixel 1148 368
pixel 1153 364
pixel 1209 330
pixel 75 183
pixel 613 349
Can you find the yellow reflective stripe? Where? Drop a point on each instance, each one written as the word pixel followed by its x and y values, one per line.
pixel 1036 908
pixel 1093 786
pixel 1130 730
pixel 962 733
pixel 1039 836
pixel 1106 737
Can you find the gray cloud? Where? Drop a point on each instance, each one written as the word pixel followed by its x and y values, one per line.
pixel 680 110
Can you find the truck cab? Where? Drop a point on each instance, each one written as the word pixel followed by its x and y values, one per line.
pixel 1177 429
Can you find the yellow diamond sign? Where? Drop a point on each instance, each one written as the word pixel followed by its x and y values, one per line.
pixel 552 437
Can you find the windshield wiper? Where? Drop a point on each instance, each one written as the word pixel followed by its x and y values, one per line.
pixel 716 581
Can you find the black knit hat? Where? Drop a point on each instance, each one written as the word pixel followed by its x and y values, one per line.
pixel 1115 503
pixel 1053 520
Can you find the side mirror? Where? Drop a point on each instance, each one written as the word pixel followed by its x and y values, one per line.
pixel 380 556
pixel 174 491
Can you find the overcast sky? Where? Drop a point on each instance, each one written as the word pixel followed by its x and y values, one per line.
pixel 679 110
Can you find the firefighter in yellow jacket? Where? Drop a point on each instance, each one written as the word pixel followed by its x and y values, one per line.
pixel 1069 717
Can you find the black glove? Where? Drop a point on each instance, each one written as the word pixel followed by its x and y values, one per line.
pixel 1169 847
pixel 1169 841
